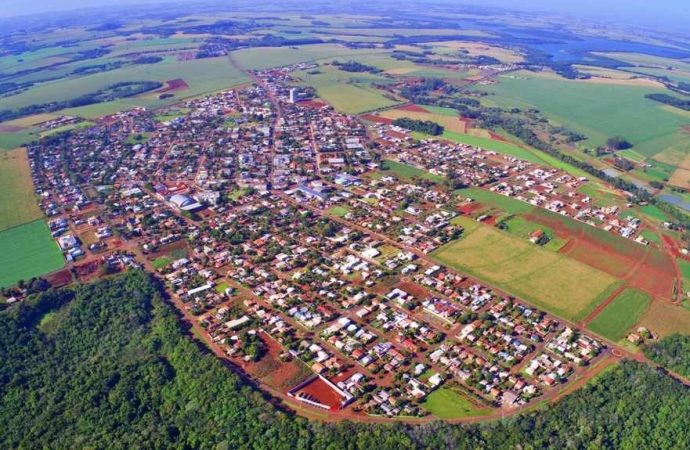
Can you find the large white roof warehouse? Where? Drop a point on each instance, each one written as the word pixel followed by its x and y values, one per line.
pixel 184 203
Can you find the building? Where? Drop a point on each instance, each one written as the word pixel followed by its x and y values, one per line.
pixel 184 203
pixel 294 98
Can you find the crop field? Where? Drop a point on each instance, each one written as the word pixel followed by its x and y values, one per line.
pixel 665 318
pixel 27 251
pixel 19 205
pixel 265 58
pixel 477 49
pixel 622 314
pixel 507 204
pixel 448 404
pixel 407 172
pixel 596 110
pixel 202 76
pixel 450 123
pixel 549 280
pixel 504 148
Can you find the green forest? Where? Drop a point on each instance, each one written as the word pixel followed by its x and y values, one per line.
pixel 109 365
pixel 671 352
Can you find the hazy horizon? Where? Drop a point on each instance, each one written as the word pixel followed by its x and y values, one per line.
pixel 658 14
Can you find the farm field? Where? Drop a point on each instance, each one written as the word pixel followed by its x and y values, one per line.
pixel 666 319
pixel 27 251
pixel 453 124
pixel 264 58
pixel 622 314
pixel 19 205
pixel 549 280
pixel 448 404
pixel 477 49
pixel 504 148
pixel 202 76
pixel 596 110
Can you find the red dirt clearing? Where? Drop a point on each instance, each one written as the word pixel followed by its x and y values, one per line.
pixel 599 257
pixel 376 119
pixel 59 279
pixel 176 85
pixel 413 289
pixel 312 104
pixel 470 208
pixel 413 108
pixel 497 137
pixel 321 392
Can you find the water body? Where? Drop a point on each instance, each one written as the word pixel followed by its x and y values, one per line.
pixel 675 201
pixel 573 51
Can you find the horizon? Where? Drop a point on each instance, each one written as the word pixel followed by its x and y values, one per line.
pixel 674 13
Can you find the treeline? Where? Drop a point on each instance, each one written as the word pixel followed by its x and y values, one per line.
pixel 671 352
pixel 354 66
pixel 670 100
pixel 116 91
pixel 422 126
pixel 147 385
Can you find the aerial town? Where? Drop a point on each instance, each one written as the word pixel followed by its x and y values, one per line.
pixel 278 231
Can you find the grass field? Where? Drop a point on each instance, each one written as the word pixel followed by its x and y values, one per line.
pixel 622 314
pixel 450 123
pixel 339 211
pixel 507 204
pixel 448 404
pixel 596 110
pixel 407 172
pixel 547 279
pixel 27 251
pixel 654 212
pixel 19 205
pixel 265 58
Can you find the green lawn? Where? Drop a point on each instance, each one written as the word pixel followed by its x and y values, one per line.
pixel 654 212
pixel 27 251
pixel 507 204
pixel 161 262
pixel 651 236
pixel 448 404
pixel 622 314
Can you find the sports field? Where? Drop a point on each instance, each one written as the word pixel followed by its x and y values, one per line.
pixel 597 110
pixel 448 404
pixel 19 205
pixel 27 251
pixel 407 172
pixel 621 315
pixel 547 279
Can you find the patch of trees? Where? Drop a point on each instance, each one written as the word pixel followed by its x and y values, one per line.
pixel 354 66
pixel 147 60
pixel 672 353
pixel 116 91
pixel 623 164
pixel 422 126
pixel 149 387
pixel 618 143
pixel 670 100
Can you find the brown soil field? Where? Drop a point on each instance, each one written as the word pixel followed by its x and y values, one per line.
pixel 321 392
pixel 312 104
pixel 176 85
pixel 413 108
pixel 59 279
pixel 5 128
pixel 413 289
pixel 376 119
pixel 594 255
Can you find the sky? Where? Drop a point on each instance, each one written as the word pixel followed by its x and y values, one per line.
pixel 649 12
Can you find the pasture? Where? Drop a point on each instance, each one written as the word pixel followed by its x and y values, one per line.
pixel 596 110
pixel 19 205
pixel 27 251
pixel 445 403
pixel 616 320
pixel 544 278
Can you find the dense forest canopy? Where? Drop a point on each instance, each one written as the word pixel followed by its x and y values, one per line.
pixel 671 352
pixel 109 366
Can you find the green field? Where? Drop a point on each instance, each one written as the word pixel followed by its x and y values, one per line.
pixel 596 110
pixel 445 403
pixel 502 202
pixel 654 212
pixel 19 205
pixel 161 262
pixel 504 148
pixel 548 280
pixel 203 76
pixel 407 172
pixel 27 251
pixel 265 58
pixel 623 313
pixel 339 211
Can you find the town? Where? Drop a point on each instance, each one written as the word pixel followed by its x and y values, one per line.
pixel 284 232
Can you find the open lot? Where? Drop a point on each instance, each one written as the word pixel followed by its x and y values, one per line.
pixel 19 205
pixel 407 172
pixel 27 251
pixel 445 403
pixel 622 314
pixel 548 280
